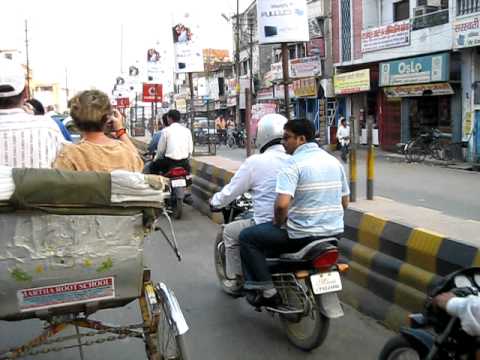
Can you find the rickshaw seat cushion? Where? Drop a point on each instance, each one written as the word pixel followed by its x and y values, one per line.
pixel 36 187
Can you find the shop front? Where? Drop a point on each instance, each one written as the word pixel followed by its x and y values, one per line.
pixel 423 91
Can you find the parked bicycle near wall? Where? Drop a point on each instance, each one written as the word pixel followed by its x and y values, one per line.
pixel 428 143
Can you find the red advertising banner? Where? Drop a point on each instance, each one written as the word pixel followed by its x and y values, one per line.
pixel 152 93
pixel 123 102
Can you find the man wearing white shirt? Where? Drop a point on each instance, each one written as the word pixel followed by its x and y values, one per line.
pixel 258 174
pixel 175 146
pixel 26 140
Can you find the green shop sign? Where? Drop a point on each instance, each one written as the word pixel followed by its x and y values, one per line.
pixel 416 70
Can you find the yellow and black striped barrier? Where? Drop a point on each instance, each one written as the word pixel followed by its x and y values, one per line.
pixel 391 264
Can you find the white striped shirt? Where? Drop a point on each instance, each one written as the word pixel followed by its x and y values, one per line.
pixel 28 141
pixel 317 182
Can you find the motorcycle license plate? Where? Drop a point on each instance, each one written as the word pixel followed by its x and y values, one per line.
pixel 179 183
pixel 326 282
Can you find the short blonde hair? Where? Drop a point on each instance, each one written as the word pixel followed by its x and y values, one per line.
pixel 90 110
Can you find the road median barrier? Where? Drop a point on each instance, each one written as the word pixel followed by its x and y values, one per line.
pixel 392 264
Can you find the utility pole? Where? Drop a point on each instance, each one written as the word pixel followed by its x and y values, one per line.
pixel 28 59
pixel 286 79
pixel 67 92
pixel 121 49
pixel 237 64
pixel 251 59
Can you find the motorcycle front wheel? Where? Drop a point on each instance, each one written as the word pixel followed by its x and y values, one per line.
pixel 399 348
pixel 306 331
pixel 230 287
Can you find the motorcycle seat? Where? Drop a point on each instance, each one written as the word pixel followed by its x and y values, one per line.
pixel 302 253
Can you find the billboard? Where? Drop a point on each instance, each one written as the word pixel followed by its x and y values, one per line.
pixel 188 51
pixel 466 31
pixel 282 21
pixel 352 82
pixel 152 93
pixel 386 36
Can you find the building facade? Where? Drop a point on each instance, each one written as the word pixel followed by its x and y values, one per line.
pixel 397 61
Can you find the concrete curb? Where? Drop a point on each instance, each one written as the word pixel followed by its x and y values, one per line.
pixel 392 265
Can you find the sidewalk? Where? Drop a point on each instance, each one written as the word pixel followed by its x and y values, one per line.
pixel 465 231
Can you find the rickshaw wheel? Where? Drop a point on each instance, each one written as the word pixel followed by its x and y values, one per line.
pixel 162 340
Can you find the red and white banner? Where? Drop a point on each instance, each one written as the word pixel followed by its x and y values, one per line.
pixel 387 36
pixel 123 102
pixel 152 93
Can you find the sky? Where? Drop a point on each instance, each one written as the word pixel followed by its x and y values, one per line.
pixel 81 40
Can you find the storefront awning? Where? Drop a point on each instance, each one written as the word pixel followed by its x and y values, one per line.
pixel 437 89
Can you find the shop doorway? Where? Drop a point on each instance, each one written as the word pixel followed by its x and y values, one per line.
pixel 430 112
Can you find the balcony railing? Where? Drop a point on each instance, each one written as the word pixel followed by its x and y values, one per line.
pixel 465 7
pixel 439 17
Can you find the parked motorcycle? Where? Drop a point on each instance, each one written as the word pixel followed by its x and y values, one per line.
pixel 308 282
pixel 434 334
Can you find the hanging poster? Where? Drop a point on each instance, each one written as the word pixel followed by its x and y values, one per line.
pixel 282 21
pixel 188 51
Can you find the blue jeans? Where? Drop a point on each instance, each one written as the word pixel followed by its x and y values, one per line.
pixel 259 242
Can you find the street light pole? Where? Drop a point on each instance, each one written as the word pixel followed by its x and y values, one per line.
pixel 28 59
pixel 237 64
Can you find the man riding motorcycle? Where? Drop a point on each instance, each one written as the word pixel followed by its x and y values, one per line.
pixel 258 175
pixel 311 195
pixel 175 146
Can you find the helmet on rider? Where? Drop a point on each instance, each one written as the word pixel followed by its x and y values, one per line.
pixel 270 131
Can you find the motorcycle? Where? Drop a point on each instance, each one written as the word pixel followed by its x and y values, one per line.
pixel 308 282
pixel 236 137
pixel 344 147
pixel 434 334
pixel 180 182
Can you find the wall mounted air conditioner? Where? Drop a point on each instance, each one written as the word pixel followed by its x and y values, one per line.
pixel 437 3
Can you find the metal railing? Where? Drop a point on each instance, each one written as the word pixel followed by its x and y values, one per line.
pixel 465 7
pixel 435 18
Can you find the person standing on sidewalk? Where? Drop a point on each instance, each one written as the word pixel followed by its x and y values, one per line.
pixel 312 193
pixel 257 174
pixel 27 141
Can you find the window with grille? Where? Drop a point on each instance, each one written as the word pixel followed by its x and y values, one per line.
pixel 467 6
pixel 345 9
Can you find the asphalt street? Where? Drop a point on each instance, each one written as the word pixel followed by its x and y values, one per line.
pixel 221 327
pixel 451 191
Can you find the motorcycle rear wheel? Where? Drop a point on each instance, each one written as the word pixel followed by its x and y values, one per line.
pixel 399 348
pixel 228 286
pixel 308 331
pixel 178 209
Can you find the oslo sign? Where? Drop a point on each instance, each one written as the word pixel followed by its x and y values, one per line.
pixel 417 70
pixel 466 32
pixel 387 36
pixel 282 21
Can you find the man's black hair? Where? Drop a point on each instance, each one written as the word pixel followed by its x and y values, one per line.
pixel 12 101
pixel 174 115
pixel 38 108
pixel 301 127
pixel 164 119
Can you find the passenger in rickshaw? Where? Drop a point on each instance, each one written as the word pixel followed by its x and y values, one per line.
pixel 92 113
pixel 27 140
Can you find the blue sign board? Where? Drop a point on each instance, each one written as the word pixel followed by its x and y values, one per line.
pixel 416 70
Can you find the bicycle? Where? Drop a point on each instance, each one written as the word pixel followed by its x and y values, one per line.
pixel 427 144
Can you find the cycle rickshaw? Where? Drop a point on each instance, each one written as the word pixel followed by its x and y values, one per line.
pixel 71 243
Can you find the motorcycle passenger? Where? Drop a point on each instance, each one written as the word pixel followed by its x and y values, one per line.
pixel 175 146
pixel 467 309
pixel 311 195
pixel 257 174
pixel 152 147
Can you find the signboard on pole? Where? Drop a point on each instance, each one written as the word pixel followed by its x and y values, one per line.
pixel 152 93
pixel 282 21
pixel 352 82
pixel 416 70
pixel 305 67
pixel 386 37
pixel 188 51
pixel 123 102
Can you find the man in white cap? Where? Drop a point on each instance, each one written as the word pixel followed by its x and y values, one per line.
pixel 26 141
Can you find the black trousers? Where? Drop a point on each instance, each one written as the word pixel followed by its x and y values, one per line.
pixel 163 165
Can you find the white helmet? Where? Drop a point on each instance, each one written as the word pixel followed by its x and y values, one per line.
pixel 270 128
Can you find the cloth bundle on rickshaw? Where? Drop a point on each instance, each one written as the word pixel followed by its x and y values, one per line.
pixel 72 240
